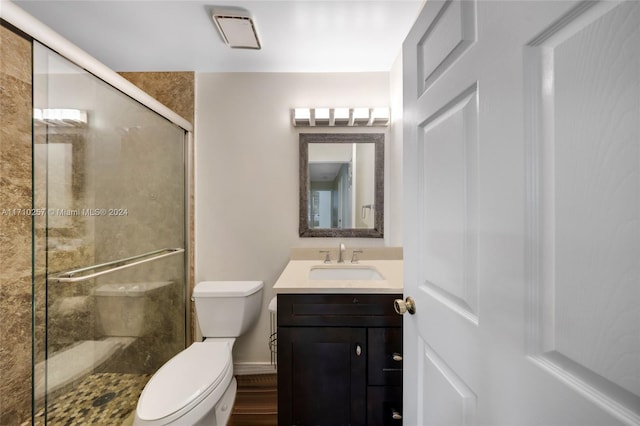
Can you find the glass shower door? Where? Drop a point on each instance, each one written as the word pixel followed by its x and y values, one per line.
pixel 109 240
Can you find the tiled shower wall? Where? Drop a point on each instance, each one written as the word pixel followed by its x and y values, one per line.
pixel 176 90
pixel 15 227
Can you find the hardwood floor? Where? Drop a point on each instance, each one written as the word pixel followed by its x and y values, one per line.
pixel 256 401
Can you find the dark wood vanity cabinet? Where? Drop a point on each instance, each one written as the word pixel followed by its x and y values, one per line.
pixel 339 360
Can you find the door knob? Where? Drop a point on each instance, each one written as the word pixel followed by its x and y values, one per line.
pixel 402 306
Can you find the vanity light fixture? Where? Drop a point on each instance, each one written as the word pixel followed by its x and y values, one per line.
pixel 322 116
pixel 59 117
pixel 236 27
pixel 360 116
pixel 340 117
pixel 301 117
pixel 379 116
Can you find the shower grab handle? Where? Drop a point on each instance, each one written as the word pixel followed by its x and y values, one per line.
pixel 113 266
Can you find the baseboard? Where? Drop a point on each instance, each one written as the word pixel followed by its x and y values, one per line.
pixel 246 368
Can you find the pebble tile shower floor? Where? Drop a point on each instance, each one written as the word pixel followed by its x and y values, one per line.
pixel 99 399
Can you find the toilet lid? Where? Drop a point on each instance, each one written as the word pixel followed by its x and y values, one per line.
pixel 226 288
pixel 185 379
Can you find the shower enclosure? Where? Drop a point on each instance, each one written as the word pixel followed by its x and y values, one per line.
pixel 109 234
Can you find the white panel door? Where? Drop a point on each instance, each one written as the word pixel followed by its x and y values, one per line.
pixel 522 213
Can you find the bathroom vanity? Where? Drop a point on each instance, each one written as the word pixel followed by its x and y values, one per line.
pixel 339 343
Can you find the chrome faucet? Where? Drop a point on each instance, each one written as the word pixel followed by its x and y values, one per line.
pixel 327 258
pixel 341 250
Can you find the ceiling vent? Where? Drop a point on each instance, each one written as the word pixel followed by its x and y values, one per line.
pixel 236 27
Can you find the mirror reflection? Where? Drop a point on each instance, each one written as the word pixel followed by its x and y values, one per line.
pixel 341 184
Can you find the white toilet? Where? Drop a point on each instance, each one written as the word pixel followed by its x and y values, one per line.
pixel 197 387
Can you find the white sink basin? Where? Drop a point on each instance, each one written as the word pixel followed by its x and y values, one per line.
pixel 345 273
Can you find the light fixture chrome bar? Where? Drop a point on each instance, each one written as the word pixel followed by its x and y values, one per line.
pixel 340 117
pixel 59 117
pixel 113 266
pixel 371 118
pixel 312 117
pixel 352 119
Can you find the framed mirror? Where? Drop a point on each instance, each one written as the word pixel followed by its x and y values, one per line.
pixel 342 185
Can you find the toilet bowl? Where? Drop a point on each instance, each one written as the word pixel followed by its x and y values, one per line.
pixel 196 387
pixel 189 385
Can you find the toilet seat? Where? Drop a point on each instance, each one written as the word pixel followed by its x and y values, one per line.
pixel 185 381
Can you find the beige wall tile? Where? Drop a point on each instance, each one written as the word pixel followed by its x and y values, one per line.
pixel 15 229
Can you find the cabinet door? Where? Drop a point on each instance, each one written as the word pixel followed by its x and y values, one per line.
pixel 322 376
pixel 385 356
pixel 384 406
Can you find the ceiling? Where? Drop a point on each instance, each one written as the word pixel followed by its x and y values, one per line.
pixel 324 172
pixel 179 35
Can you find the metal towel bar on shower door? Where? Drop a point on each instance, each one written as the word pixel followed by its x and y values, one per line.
pixel 113 266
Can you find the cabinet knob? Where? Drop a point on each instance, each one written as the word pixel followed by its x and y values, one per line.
pixel 402 306
pixel 396 356
pixel 396 415
pixel 358 350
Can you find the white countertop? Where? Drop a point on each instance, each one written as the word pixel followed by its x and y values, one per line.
pixel 295 278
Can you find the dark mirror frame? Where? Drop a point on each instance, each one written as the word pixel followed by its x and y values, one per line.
pixel 378 228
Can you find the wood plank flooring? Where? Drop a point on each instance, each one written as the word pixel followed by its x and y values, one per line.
pixel 256 401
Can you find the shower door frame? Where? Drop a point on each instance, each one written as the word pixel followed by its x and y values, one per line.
pixel 39 32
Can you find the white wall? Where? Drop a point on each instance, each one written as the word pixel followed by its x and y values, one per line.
pixel 247 175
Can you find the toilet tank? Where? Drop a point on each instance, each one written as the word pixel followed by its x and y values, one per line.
pixel 227 308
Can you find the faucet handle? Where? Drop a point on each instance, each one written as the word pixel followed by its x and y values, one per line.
pixel 354 256
pixel 327 258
